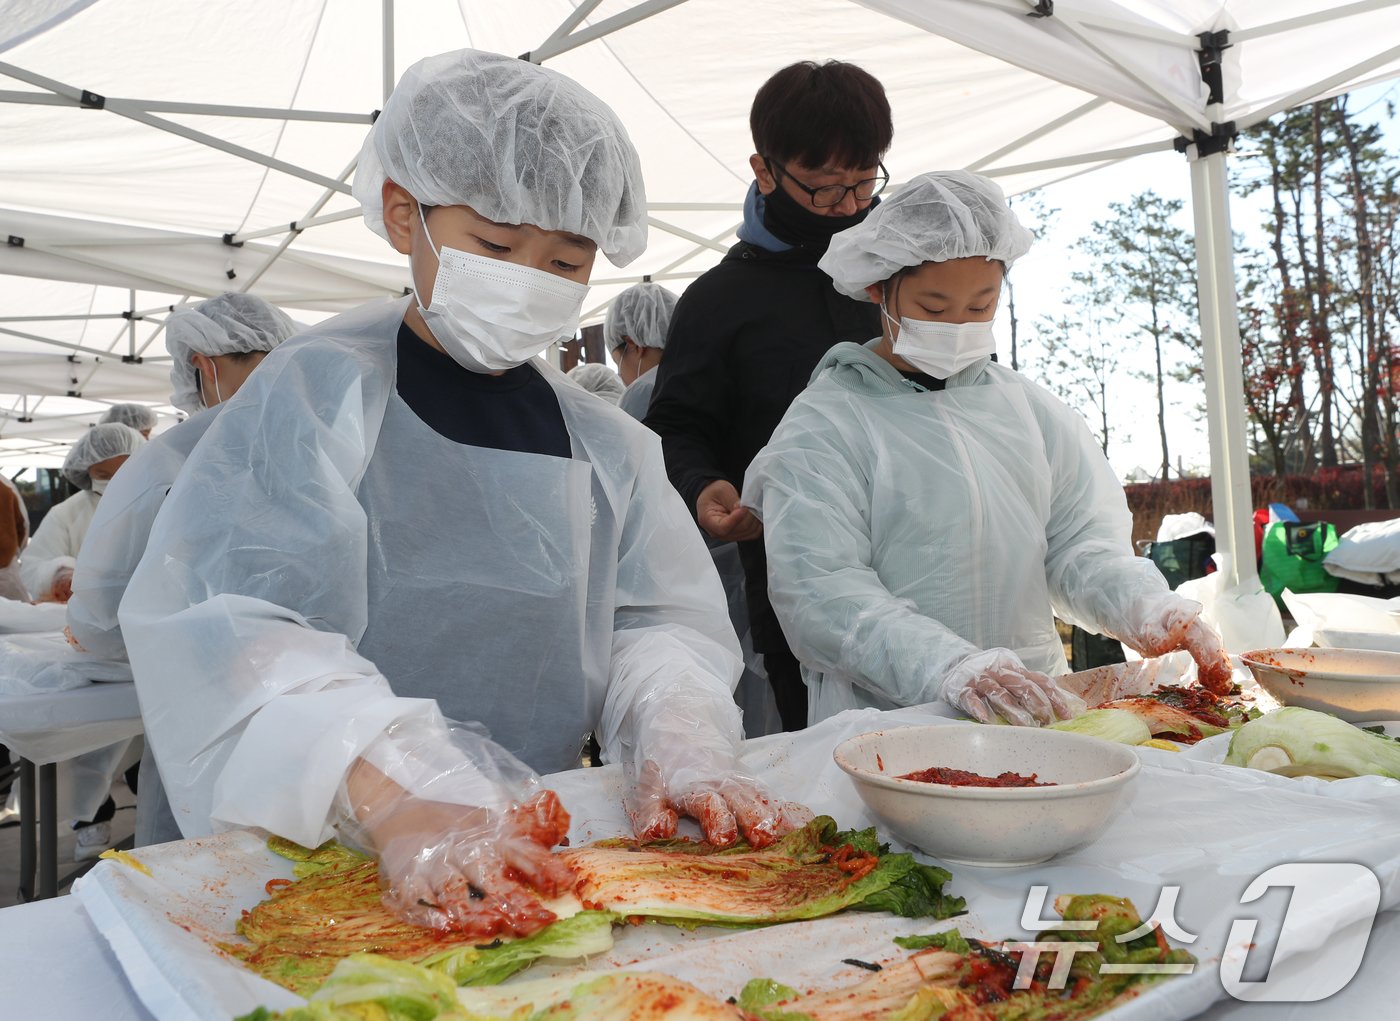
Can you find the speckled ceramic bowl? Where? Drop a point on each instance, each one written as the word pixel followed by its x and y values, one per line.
pixel 1005 826
pixel 1358 685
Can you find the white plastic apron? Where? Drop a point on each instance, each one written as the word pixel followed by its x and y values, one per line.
pixel 505 574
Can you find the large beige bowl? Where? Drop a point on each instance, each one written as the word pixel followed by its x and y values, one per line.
pixel 1359 685
pixel 1004 826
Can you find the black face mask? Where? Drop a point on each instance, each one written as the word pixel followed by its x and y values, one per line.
pixel 795 224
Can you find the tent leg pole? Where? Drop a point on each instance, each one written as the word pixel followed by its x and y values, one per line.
pixel 1224 373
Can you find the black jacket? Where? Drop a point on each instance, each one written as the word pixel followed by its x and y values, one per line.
pixel 743 342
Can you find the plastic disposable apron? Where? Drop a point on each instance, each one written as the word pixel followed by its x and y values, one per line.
pixel 485 609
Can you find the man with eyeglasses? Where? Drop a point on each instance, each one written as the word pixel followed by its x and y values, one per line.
pixel 747 334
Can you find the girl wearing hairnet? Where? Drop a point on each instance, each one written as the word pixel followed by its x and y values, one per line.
pixel 598 380
pixel 214 346
pixel 137 416
pixel 635 332
pixel 928 511
pixel 407 517
pixel 92 462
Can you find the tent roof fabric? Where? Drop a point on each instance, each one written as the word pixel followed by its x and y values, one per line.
pixel 158 150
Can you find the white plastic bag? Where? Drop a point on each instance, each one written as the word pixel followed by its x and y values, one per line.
pixel 1246 618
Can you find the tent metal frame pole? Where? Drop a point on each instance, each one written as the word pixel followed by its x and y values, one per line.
pixel 1231 497
pixel 296 225
pixel 62 319
pixel 663 273
pixel 605 27
pixel 292 235
pixel 386 46
pixel 576 16
pixel 131 326
pixel 1307 20
pixel 118 107
pixel 1076 27
pixel 695 207
pixel 197 109
pixel 163 283
pixel 687 235
pixel 76 348
pixel 1106 156
pixel 1320 89
pixel 1040 132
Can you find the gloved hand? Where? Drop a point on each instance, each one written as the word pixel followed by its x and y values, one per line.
pixel 996 683
pixel 462 830
pixel 61 588
pixel 724 806
pixel 1162 622
pixel 685 763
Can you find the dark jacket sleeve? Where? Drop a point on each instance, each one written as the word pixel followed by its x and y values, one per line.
pixel 690 408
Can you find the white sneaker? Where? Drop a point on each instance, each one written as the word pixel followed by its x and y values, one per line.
pixel 92 841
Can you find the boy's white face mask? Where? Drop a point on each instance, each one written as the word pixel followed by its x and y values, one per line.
pixel 941 349
pixel 491 315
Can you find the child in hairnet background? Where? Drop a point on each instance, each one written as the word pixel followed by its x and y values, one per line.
pixel 928 512
pixel 405 517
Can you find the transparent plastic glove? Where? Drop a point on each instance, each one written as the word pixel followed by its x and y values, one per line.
pixel 61 590
pixel 725 808
pixel 685 763
pixel 996 683
pixel 1162 622
pixel 463 831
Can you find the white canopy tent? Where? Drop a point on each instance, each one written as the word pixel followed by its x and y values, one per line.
pixel 154 150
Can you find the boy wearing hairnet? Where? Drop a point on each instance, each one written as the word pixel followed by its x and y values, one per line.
pixel 214 346
pixel 406 517
pixel 635 332
pixel 928 511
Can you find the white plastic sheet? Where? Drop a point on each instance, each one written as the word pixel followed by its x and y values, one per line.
pixel 22 618
pixel 45 662
pixel 1206 828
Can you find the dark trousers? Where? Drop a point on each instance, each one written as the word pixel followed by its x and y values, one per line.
pixel 785 678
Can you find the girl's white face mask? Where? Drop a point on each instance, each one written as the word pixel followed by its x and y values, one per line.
pixel 491 315
pixel 99 486
pixel 942 349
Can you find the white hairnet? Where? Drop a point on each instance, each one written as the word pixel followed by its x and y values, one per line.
pixel 949 214
pixel 516 142
pixel 138 416
pixel 642 312
pixel 600 380
pixel 231 323
pixel 110 439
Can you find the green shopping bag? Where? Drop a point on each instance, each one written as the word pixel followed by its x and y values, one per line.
pixel 1293 553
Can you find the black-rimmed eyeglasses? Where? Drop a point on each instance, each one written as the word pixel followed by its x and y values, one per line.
pixel 834 194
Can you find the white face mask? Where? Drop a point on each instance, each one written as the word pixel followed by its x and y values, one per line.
pixel 491 315
pixel 99 486
pixel 942 349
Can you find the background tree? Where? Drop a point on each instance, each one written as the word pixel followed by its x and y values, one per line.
pixel 1145 267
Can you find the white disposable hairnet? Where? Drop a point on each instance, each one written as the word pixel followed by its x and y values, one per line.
pixel 642 312
pixel 231 323
pixel 948 214
pixel 138 416
pixel 110 439
pixel 517 142
pixel 600 380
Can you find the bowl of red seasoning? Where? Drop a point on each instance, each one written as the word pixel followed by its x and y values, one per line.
pixel 986 795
